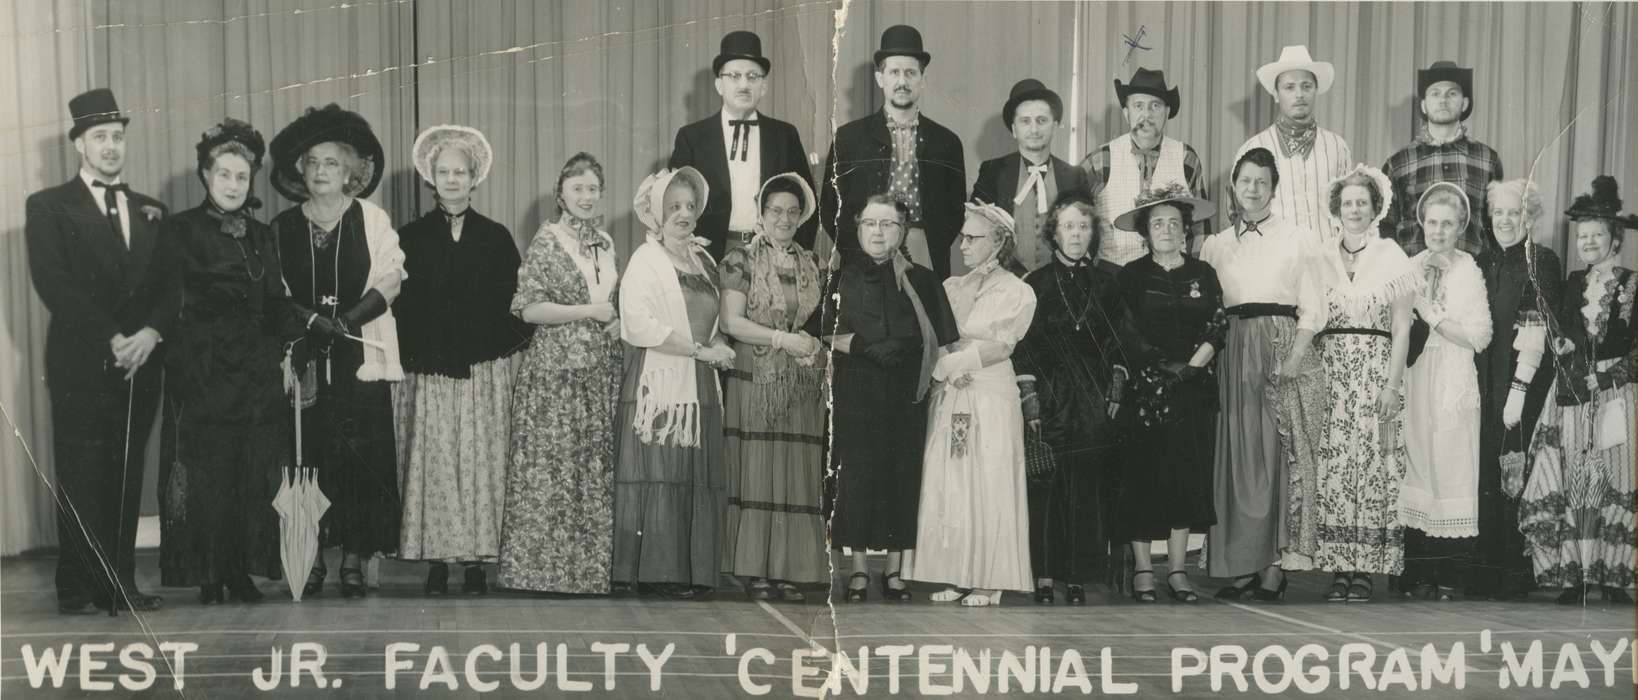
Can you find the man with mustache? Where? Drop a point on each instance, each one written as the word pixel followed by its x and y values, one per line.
pixel 737 148
pixel 1138 161
pixel 1307 156
pixel 90 241
pixel 1442 152
pixel 1025 182
pixel 899 150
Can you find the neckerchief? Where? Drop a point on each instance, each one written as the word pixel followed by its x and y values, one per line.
pixel 1425 138
pixel 1296 138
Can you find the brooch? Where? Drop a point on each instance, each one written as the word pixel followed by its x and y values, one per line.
pixel 1194 289
pixel 152 212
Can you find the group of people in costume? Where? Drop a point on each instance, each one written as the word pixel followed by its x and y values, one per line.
pixel 1362 372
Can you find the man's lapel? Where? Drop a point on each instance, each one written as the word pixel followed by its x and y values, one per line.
pixel 144 235
pixel 1006 184
pixel 86 215
pixel 715 163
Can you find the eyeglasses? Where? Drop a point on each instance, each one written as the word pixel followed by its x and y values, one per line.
pixel 783 213
pixel 754 78
pixel 887 225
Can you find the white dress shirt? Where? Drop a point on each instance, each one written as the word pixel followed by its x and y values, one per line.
pixel 744 176
pixel 1277 264
pixel 124 204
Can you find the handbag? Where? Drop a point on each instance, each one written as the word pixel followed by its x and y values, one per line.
pixel 1419 332
pixel 1039 462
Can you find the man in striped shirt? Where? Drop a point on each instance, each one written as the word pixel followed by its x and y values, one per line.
pixel 1307 156
pixel 1442 152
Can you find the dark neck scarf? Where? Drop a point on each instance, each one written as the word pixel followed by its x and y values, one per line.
pixel 232 222
pixel 1296 138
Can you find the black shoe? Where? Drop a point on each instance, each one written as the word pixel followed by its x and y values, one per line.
pixel 475 583
pixel 1074 594
pixel 901 595
pixel 1268 596
pixel 210 593
pixel 1143 596
pixel 244 590
pixel 138 601
pixel 1044 595
pixel 1361 589
pixel 1180 595
pixel 1237 592
pixel 77 607
pixel 757 588
pixel 858 595
pixel 352 582
pixel 315 581
pixel 1617 596
pixel 437 580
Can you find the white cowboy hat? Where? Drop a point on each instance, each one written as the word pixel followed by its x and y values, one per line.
pixel 1297 58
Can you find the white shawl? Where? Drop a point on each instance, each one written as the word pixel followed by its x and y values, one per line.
pixel 385 259
pixel 651 308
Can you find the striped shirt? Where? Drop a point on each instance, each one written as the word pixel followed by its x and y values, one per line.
pixel 1413 169
pixel 1301 199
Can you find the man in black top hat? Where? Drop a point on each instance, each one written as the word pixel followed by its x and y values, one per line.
pixel 1138 161
pixel 1442 152
pixel 1026 181
pixel 737 149
pixel 90 241
pixel 899 150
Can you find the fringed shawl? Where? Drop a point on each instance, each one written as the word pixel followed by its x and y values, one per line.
pixel 776 373
pixel 1383 274
pixel 651 308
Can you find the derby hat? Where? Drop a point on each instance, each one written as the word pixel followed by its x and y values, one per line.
pixel 1442 71
pixel 323 125
pixel 1150 82
pixel 1031 89
pixel 737 45
pixel 902 40
pixel 1297 58
pixel 92 108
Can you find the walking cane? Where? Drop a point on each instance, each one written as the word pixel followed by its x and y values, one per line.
pixel 124 476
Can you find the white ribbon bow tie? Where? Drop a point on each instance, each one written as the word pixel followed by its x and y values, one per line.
pixel 1037 182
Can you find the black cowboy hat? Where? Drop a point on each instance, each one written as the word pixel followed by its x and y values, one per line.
pixel 322 125
pixel 1446 70
pixel 1603 202
pixel 737 45
pixel 902 40
pixel 1031 89
pixel 92 108
pixel 1150 82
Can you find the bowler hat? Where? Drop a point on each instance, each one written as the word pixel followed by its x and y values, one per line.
pixel 737 45
pixel 1031 89
pixel 1150 82
pixel 92 108
pixel 902 40
pixel 1446 70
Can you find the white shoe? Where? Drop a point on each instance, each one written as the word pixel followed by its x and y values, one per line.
pixel 981 600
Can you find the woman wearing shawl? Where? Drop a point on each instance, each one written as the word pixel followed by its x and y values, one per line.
pixel 341 260
pixel 1526 283
pixel 1439 505
pixel 973 526
pixel 1369 286
pixel 670 480
pixel 776 413
pixel 1071 369
pixel 559 517
pixel 458 338
pixel 885 318
pixel 1577 508
pixel 226 421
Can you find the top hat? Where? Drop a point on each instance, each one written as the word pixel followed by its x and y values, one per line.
pixel 1442 71
pixel 1150 82
pixel 92 108
pixel 1031 89
pixel 1297 58
pixel 316 126
pixel 902 40
pixel 740 44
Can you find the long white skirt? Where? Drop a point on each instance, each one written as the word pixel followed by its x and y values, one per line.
pixel 1441 492
pixel 972 528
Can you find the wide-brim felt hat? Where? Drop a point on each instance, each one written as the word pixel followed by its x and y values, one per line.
pixel 1446 70
pixel 444 135
pixel 92 108
pixel 1297 58
pixel 738 45
pixel 1031 89
pixel 1603 202
pixel 330 123
pixel 1150 82
pixel 1173 193
pixel 902 40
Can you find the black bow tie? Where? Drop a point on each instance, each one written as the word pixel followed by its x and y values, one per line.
pixel 741 148
pixel 115 187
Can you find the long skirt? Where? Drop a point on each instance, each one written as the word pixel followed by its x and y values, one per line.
pixel 1439 501
pixel 1359 480
pixel 216 488
pixel 878 437
pixel 1166 479
pixel 670 502
pixel 776 529
pixel 973 529
pixel 1577 508
pixel 1250 477
pixel 348 435
pixel 453 440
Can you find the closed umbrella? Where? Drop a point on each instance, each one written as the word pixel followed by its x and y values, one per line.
pixel 299 502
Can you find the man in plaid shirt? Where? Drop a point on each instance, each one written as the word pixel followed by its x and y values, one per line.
pixel 1442 152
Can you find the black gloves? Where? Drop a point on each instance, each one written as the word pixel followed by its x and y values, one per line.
pixel 887 352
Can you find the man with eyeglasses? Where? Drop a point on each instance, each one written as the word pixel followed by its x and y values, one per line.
pixel 90 246
pixel 737 148
pixel 901 151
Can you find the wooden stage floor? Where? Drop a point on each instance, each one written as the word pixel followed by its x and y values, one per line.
pixel 1141 643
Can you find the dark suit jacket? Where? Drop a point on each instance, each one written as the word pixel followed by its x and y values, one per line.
pixel 701 145
pixel 861 163
pixel 94 287
pixel 997 181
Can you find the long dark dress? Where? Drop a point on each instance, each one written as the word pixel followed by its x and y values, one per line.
pixel 878 426
pixel 227 424
pixel 670 502
pixel 1166 478
pixel 1080 330
pixel 348 433
pixel 1518 295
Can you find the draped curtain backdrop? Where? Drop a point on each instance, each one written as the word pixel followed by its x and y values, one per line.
pixel 1554 90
